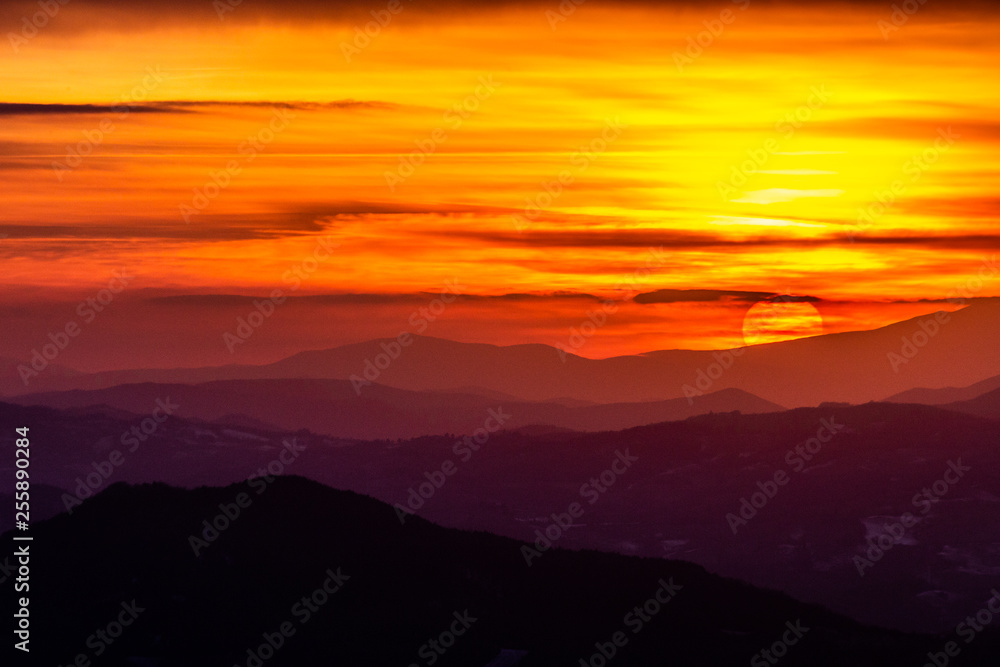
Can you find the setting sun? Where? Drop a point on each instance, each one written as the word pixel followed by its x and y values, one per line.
pixel 776 320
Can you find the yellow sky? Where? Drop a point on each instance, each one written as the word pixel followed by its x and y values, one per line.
pixel 438 150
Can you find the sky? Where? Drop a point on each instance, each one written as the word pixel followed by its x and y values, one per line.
pixel 536 165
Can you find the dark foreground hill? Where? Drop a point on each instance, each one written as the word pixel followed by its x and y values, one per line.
pixel 395 594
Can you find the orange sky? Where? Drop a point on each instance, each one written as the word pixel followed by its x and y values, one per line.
pixel 747 163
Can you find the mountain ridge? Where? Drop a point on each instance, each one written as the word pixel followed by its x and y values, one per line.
pixel 791 373
pixel 405 580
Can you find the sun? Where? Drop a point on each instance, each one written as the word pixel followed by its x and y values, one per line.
pixel 780 318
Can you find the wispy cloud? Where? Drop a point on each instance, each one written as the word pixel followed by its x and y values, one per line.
pixel 181 106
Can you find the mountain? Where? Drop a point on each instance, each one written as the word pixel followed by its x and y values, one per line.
pixel 811 536
pixel 334 408
pixel 304 575
pixel 933 350
pixel 12 383
pixel 945 394
pixel 741 495
pixel 987 405
pixel 46 502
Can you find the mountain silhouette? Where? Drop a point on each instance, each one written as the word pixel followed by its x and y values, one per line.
pixel 334 408
pixel 944 349
pixel 674 502
pixel 390 589
pixel 985 405
pixel 945 394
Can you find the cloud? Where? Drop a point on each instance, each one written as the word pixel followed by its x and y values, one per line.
pixel 709 295
pixel 208 227
pixel 268 222
pixel 681 240
pixel 116 15
pixel 793 298
pixel 18 109
pixel 180 106
pixel 357 298
pixel 958 207
pixel 927 130
pixel 349 104
pixel 952 300
pixel 699 295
